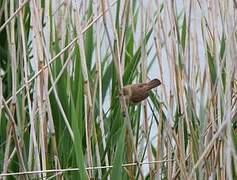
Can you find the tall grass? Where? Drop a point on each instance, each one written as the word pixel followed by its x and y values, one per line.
pixel 64 62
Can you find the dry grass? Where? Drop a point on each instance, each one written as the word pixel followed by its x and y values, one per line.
pixel 63 63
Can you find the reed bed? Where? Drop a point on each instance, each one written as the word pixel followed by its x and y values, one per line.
pixel 62 64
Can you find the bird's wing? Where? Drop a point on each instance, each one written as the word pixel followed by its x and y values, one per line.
pixel 138 98
pixel 139 94
pixel 141 85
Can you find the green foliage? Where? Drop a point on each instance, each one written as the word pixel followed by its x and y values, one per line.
pixel 81 120
pixel 118 159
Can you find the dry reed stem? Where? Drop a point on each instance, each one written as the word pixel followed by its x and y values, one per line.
pixel 14 134
pixel 33 133
pixel 193 107
pixel 62 51
pixel 87 92
pixel 13 15
pixel 144 77
pixel 77 169
pixel 98 66
pixel 40 84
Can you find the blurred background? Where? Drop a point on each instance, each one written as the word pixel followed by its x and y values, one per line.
pixel 62 64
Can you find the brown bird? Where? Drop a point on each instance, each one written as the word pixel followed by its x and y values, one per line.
pixel 135 93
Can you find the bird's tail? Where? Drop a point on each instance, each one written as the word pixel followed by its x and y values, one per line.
pixel 153 83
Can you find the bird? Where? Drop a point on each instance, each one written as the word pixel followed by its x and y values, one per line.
pixel 135 93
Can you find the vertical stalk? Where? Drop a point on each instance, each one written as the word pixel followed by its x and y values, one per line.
pixel 88 99
pixel 32 131
pixel 98 65
pixel 144 79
